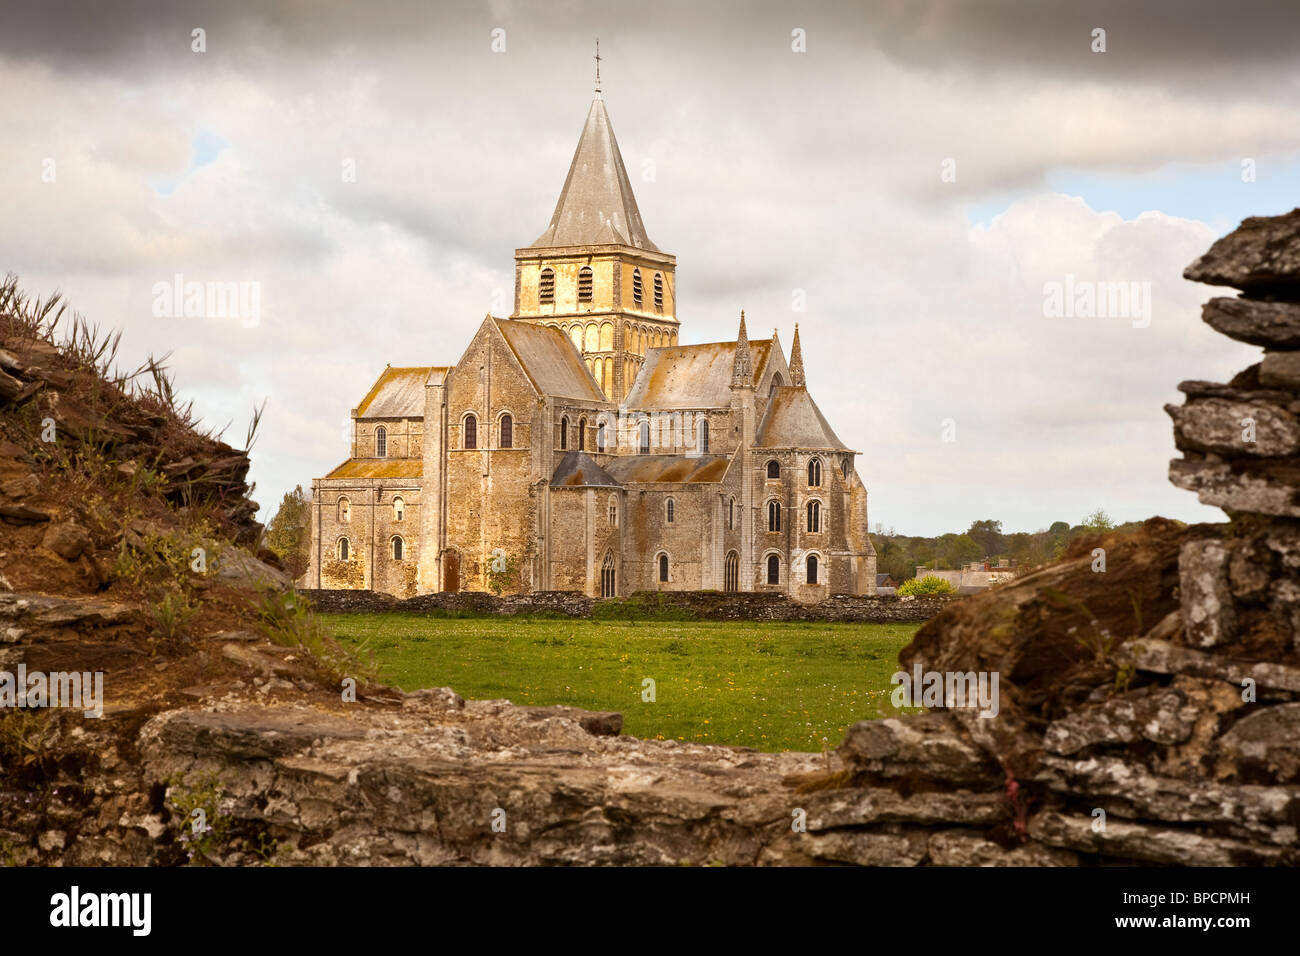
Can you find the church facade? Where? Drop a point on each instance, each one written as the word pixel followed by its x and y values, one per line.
pixel 579 446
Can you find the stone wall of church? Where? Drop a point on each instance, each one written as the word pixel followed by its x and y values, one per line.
pixel 580 516
pixel 491 502
pixel 369 522
pixel 685 540
pixel 404 437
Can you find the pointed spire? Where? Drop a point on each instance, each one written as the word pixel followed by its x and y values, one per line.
pixel 742 372
pixel 796 360
pixel 596 205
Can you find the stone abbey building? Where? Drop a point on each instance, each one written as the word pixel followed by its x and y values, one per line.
pixel 578 446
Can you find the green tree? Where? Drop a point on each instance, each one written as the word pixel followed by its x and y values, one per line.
pixel 930 584
pixel 988 535
pixel 289 533
pixel 1098 521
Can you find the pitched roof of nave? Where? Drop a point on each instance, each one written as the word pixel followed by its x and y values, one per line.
pixel 693 376
pixel 596 205
pixel 397 393
pixel 578 470
pixel 379 468
pixel 642 469
pixel 550 361
pixel 793 420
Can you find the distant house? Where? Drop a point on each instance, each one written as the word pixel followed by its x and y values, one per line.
pixel 973 577
pixel 886 581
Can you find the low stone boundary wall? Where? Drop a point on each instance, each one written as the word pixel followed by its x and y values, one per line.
pixel 702 605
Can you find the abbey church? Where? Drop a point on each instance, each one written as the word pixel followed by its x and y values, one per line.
pixel 579 446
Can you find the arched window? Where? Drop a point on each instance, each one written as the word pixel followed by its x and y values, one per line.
pixel 663 567
pixel 659 292
pixel 613 511
pixel 774 515
pixel 815 473
pixel 546 286
pixel 345 509
pixel 397 548
pixel 343 549
pixel 773 569
pixel 670 509
pixel 575 336
pixel 773 469
pixel 645 438
pixel 731 513
pixel 582 434
pixel 814 517
pixel 731 572
pixel 812 569
pixel 600 437
pixel 399 509
pixel 564 433
pixel 845 466
pixel 507 431
pixel 381 442
pixel 704 437
pixel 584 284
pixel 607 582
pixel 471 432
pixel 636 286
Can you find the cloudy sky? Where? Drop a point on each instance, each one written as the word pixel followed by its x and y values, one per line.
pixel 919 172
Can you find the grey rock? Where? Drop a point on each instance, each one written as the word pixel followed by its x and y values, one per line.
pixel 1266 742
pixel 1162 657
pixel 1162 716
pixel 971 848
pixel 1261 256
pixel 1271 324
pixel 1280 370
pixel 921 744
pixel 1221 426
pixel 1209 616
pixel 1268 811
pixel 1152 844
pixel 1239 491
pixel 236 567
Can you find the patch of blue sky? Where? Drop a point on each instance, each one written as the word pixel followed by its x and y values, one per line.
pixel 1213 193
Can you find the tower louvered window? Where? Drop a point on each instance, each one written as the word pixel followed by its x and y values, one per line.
pixel 637 291
pixel 584 284
pixel 546 286
pixel 659 292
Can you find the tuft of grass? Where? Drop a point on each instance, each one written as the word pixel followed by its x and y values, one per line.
pixel 286 618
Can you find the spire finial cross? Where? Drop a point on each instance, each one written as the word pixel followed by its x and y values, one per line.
pixel 597 64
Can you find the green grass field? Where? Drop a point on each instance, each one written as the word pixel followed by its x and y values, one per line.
pixel 772 686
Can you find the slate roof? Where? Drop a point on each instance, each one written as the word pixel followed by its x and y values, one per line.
pixel 692 376
pixel 550 361
pixel 398 393
pixel 596 205
pixel 641 469
pixel 578 470
pixel 379 468
pixel 793 420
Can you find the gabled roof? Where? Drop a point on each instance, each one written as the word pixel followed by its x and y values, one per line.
pixel 596 205
pixel 692 376
pixel 793 420
pixel 550 361
pixel 398 393
pixel 379 468
pixel 578 470
pixel 640 469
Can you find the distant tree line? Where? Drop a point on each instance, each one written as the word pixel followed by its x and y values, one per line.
pixel 900 555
